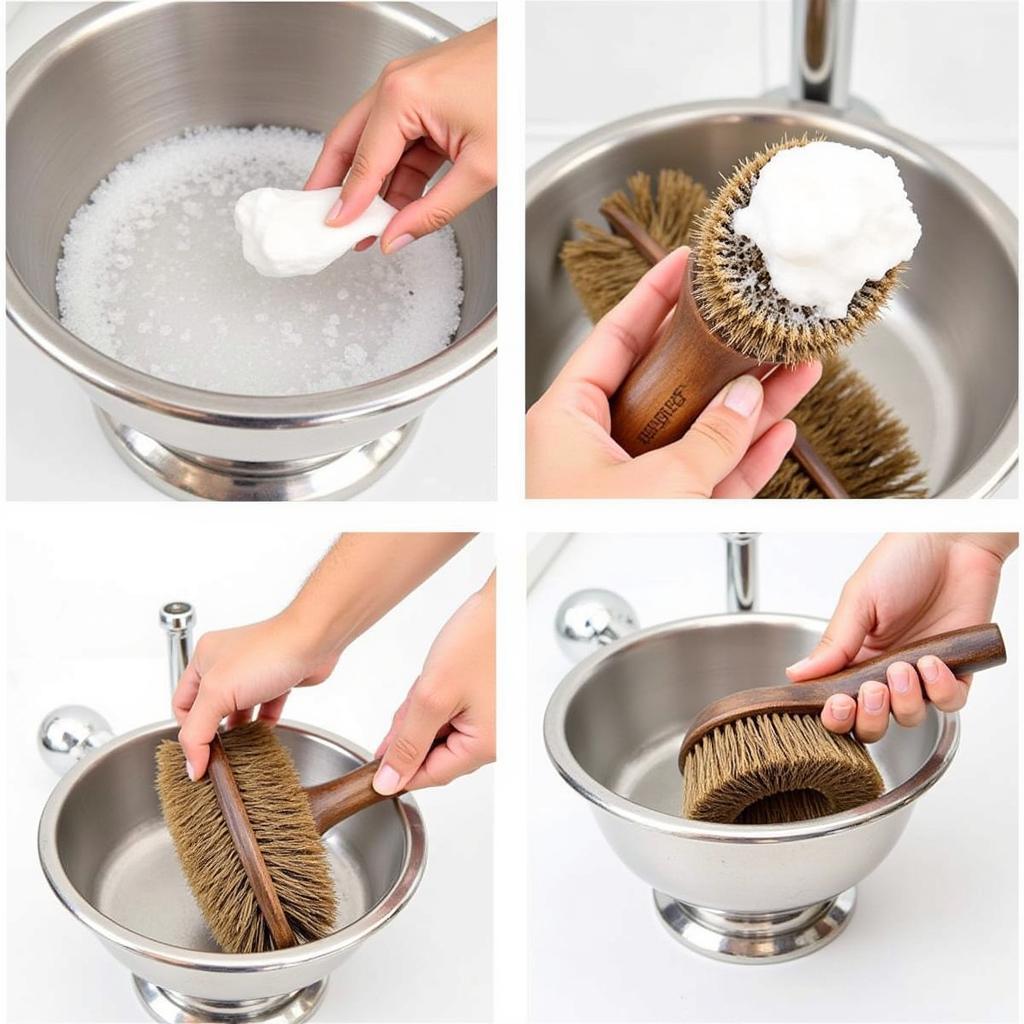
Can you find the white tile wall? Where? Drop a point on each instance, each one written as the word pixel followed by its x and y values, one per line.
pixel 944 70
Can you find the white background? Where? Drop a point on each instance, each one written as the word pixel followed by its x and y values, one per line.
pixel 934 933
pixel 55 450
pixel 82 628
pixel 944 71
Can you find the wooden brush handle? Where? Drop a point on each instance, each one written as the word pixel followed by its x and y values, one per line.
pixel 963 650
pixel 673 383
pixel 671 366
pixel 229 799
pixel 340 798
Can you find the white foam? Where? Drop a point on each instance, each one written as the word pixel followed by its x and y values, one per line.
pixel 152 274
pixel 284 233
pixel 827 218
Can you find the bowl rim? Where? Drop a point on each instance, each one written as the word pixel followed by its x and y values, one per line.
pixel 992 468
pixel 582 782
pixel 125 383
pixel 396 897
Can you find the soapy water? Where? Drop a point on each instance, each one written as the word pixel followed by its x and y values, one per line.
pixel 152 274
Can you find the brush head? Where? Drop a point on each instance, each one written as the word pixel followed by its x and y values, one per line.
pixel 735 295
pixel 603 267
pixel 770 769
pixel 858 435
pixel 284 828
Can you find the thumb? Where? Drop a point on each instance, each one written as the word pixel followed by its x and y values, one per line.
pixel 716 442
pixel 462 185
pixel 411 740
pixel 201 724
pixel 843 637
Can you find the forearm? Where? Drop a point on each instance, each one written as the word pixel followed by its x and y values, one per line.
pixel 361 578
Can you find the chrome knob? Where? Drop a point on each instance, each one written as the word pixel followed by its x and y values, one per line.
pixel 68 733
pixel 590 619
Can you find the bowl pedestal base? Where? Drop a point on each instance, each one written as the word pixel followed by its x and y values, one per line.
pixel 186 475
pixel 756 938
pixel 171 1008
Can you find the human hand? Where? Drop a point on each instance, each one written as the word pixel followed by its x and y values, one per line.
pixel 438 104
pixel 234 670
pixel 910 586
pixel 731 451
pixel 452 700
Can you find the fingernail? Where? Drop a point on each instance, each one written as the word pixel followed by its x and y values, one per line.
pixel 386 780
pixel 874 697
pixel 799 666
pixel 930 669
pixel 335 209
pixel 399 243
pixel 743 395
pixel 191 771
pixel 840 708
pixel 899 678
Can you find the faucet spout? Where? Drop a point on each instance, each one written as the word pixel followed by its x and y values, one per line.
pixel 822 41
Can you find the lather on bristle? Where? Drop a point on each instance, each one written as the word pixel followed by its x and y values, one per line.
pixel 284 828
pixel 769 769
pixel 735 295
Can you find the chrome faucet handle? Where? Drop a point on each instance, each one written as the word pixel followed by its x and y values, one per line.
pixel 178 619
pixel 593 618
pixel 741 571
pixel 822 54
pixel 70 732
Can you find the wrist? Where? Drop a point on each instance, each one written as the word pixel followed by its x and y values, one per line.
pixel 999 545
pixel 312 630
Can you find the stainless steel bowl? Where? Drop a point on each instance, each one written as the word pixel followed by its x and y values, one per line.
pixel 107 854
pixel 945 354
pixel 738 892
pixel 120 76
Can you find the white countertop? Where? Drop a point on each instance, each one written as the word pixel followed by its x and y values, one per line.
pixel 84 630
pixel 934 933
pixel 54 447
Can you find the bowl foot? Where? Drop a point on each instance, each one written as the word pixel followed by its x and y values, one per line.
pixel 756 938
pixel 186 475
pixel 171 1008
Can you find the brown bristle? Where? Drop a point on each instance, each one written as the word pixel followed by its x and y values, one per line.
pixel 283 824
pixel 860 437
pixel 735 295
pixel 770 769
pixel 603 267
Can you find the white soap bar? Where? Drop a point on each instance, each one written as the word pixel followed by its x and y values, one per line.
pixel 284 234
pixel 827 218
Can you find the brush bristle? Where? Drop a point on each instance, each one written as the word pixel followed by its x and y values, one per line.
pixel 603 267
pixel 283 824
pixel 734 292
pixel 864 442
pixel 770 769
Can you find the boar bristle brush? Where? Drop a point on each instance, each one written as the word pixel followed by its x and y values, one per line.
pixel 247 836
pixel 853 433
pixel 763 756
